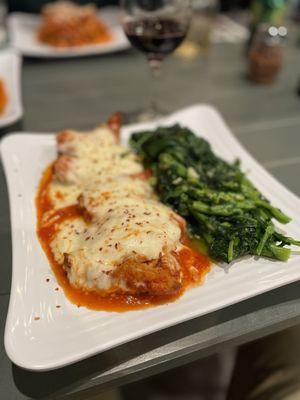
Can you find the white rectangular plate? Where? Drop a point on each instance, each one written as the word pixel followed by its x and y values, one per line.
pixel 23 29
pixel 64 335
pixel 10 72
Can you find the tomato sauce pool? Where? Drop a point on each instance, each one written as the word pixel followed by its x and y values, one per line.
pixel 194 265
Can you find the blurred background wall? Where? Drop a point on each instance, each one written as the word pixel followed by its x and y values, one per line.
pixel 35 5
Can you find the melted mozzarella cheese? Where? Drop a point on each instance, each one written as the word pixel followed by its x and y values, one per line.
pixel 63 195
pixel 84 144
pixel 132 227
pixel 96 156
pixel 127 220
pixel 101 195
pixel 67 238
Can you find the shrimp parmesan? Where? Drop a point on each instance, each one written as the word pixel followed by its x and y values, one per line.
pixel 112 244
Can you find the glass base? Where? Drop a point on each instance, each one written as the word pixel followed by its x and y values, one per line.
pixel 144 115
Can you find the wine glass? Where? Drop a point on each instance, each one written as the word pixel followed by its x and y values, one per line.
pixel 156 28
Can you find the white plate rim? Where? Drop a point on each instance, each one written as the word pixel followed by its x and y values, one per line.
pixel 17 358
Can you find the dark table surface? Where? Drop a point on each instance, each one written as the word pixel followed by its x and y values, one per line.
pixel 80 93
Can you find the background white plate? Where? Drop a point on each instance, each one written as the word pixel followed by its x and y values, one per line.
pixel 68 334
pixel 23 28
pixel 10 72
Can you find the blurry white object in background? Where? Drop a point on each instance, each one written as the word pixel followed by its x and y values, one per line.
pixel 10 73
pixel 210 27
pixel 222 28
pixel 228 30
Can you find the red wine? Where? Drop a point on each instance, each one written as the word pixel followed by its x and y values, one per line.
pixel 158 36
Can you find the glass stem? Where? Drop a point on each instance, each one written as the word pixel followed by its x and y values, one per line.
pixel 155 68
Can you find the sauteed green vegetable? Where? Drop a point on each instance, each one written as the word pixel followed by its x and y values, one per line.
pixel 221 206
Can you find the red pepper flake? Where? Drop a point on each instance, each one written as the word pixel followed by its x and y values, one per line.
pixel 36 318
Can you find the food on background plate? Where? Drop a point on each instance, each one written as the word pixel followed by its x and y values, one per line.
pixel 219 203
pixel 112 244
pixel 3 96
pixel 66 24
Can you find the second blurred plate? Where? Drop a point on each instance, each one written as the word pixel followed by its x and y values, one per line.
pixel 23 28
pixel 10 74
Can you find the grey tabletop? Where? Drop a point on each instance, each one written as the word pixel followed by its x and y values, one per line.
pixel 80 93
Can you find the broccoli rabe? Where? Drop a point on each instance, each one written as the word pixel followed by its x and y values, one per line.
pixel 220 204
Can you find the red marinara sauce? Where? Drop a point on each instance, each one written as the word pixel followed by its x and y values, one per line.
pixel 194 264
